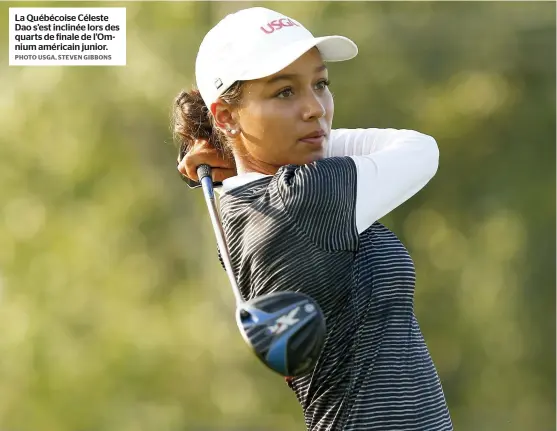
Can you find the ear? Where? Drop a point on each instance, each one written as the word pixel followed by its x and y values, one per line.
pixel 224 118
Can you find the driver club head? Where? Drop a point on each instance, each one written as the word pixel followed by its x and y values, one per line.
pixel 286 330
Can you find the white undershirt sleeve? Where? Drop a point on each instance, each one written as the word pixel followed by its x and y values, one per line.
pixel 392 166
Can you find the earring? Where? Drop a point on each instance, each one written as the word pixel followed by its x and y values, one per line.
pixel 232 132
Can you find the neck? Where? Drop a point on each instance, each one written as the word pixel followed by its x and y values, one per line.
pixel 244 166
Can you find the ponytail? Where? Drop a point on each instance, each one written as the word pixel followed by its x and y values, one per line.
pixel 192 120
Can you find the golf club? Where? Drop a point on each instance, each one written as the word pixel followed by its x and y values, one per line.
pixel 286 330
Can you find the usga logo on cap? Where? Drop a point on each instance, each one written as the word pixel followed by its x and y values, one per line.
pixel 277 24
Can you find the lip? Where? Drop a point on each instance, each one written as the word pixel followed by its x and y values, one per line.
pixel 316 137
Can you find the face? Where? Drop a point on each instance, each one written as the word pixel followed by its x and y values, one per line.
pixel 284 118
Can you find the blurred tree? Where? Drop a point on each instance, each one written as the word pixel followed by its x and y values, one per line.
pixel 108 271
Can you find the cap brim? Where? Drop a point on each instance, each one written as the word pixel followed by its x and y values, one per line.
pixel 336 48
pixel 332 48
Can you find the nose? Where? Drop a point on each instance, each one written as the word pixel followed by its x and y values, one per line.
pixel 314 108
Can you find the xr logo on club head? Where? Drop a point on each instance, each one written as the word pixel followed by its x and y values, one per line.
pixel 284 322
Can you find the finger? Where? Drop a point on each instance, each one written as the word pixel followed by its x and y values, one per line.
pixel 182 168
pixel 193 160
pixel 202 146
pixel 201 153
pixel 191 171
pixel 219 175
pixel 188 166
pixel 185 172
pixel 213 160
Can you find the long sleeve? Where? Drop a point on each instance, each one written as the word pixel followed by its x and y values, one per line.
pixel 392 166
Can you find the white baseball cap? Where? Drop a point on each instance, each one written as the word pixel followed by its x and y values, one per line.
pixel 254 43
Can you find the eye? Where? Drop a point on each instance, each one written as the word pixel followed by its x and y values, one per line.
pixel 284 93
pixel 321 85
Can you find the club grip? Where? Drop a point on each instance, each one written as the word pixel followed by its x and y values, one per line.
pixel 203 171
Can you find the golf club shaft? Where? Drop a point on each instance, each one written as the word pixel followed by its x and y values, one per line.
pixel 204 174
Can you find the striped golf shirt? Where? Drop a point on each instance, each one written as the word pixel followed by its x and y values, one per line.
pixel 314 229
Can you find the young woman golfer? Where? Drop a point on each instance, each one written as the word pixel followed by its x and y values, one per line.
pixel 300 204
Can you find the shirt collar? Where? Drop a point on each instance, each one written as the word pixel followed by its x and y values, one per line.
pixel 239 180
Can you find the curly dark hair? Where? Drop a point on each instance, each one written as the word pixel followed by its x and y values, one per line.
pixel 191 120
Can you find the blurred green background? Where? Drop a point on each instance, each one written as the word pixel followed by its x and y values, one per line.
pixel 115 314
